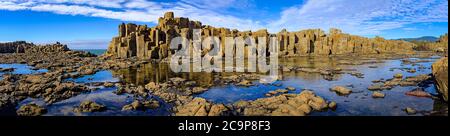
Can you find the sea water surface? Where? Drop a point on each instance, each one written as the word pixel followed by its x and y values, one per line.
pixel 97 52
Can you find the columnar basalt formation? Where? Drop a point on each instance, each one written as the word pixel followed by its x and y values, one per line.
pixel 24 47
pixel 14 47
pixel 153 43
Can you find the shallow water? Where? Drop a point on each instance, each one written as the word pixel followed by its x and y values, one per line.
pixel 360 102
pixel 104 96
pixel 94 51
pixel 101 76
pixel 22 69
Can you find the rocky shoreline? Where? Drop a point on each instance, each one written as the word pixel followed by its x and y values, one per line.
pixel 52 87
pixel 138 45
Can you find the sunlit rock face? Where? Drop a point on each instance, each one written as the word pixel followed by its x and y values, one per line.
pixel 153 43
pixel 440 73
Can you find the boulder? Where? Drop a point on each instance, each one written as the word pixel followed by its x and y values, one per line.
pixel 31 110
pixel 378 94
pixel 418 92
pixel 341 90
pixel 89 106
pixel 440 74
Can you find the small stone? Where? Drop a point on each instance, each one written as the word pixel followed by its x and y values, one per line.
pixel 89 106
pixel 290 88
pixel 281 90
pixel 31 110
pixel 410 111
pixel 197 90
pixel 376 87
pixel 341 90
pixel 108 84
pixel 378 95
pixel 418 92
pixel 332 105
pixel 245 83
pixel 398 75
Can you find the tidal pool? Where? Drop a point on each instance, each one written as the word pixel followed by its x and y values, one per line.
pixel 103 96
pixel 22 69
pixel 101 76
pixel 359 103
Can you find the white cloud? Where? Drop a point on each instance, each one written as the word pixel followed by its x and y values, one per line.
pixel 360 16
pixel 130 10
pixel 368 17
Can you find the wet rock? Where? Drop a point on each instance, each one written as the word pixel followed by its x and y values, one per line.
pixel 412 71
pixel 141 105
pixel 152 86
pixel 357 74
pixel 151 104
pixel 200 107
pixel 418 92
pixel 89 106
pixel 398 75
pixel 377 81
pixel 289 88
pixel 281 91
pixel 332 105
pixel 198 90
pixel 108 84
pixel 440 73
pixel 341 90
pixel 135 105
pixel 7 69
pixel 217 110
pixel 245 83
pixel 283 105
pixel 410 111
pixel 31 110
pixel 376 87
pixel 377 94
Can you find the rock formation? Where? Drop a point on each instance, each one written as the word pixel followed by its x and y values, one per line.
pixel 24 47
pixel 153 42
pixel 441 45
pixel 440 73
pixel 14 47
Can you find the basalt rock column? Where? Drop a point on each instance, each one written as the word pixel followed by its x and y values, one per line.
pixel 143 42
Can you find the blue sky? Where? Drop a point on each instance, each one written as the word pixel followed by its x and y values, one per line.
pixel 90 24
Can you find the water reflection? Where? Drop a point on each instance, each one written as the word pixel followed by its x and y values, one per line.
pixel 22 69
pixel 358 103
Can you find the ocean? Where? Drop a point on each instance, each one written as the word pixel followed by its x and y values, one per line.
pixel 97 52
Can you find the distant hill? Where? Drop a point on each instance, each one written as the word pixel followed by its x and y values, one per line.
pixel 423 39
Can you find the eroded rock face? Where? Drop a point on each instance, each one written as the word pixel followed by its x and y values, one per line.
pixel 153 43
pixel 440 73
